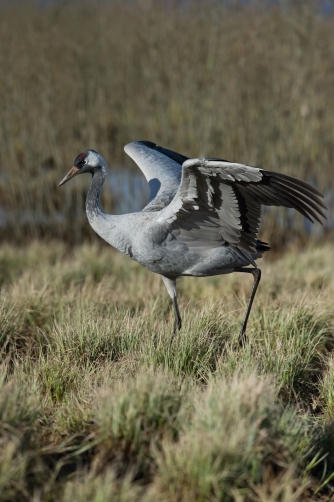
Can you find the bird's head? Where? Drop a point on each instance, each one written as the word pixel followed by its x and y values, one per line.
pixel 88 161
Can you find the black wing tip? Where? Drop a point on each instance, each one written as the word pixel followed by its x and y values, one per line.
pixel 294 179
pixel 309 204
pixel 219 160
pixel 177 157
pixel 149 144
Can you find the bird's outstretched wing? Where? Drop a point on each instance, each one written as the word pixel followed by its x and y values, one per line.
pixel 218 193
pixel 161 168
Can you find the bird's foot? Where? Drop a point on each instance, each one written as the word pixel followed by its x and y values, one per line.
pixel 242 338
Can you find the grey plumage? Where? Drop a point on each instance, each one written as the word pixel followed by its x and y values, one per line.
pixel 202 217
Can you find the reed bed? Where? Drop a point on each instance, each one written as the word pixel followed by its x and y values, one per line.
pixel 248 83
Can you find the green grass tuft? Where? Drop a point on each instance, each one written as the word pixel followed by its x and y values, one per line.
pixel 94 405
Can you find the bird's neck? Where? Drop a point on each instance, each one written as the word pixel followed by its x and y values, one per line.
pixel 103 224
pixel 93 204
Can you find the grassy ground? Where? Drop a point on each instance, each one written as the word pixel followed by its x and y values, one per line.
pixel 94 407
pixel 235 80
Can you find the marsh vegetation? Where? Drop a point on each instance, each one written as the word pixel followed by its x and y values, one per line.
pixel 249 83
pixel 93 405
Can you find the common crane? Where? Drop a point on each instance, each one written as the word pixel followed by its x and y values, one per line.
pixel 202 217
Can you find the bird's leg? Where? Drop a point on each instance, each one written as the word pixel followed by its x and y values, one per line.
pixel 256 272
pixel 178 320
pixel 171 288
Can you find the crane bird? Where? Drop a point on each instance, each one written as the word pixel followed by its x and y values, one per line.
pixel 202 217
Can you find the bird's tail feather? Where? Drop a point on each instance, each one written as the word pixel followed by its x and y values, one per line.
pixel 262 246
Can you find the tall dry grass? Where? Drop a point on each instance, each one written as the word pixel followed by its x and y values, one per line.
pixel 246 83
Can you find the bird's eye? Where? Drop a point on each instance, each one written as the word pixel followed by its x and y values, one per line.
pixel 80 161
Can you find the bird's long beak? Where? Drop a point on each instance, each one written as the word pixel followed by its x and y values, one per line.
pixel 73 172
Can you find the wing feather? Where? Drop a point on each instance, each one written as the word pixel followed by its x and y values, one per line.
pixel 161 167
pixel 228 197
